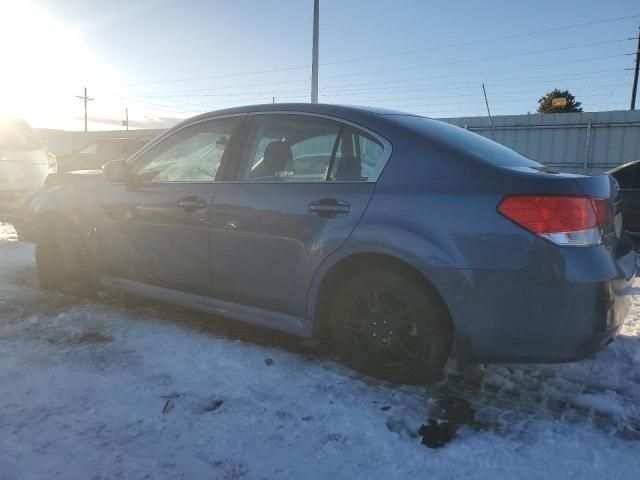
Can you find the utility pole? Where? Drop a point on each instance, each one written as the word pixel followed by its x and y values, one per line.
pixel 85 99
pixel 635 75
pixel 126 118
pixel 314 52
pixel 488 111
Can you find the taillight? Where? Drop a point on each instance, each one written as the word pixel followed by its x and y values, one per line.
pixel 563 220
pixel 53 162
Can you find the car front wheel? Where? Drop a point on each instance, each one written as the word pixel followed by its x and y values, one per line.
pixel 390 326
pixel 63 263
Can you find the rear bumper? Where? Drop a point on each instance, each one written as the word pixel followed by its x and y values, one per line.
pixel 561 309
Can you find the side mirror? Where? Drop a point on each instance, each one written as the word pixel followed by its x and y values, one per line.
pixel 116 171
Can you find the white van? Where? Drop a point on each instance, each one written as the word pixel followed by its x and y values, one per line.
pixel 24 165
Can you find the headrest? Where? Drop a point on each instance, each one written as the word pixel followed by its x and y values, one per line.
pixel 277 156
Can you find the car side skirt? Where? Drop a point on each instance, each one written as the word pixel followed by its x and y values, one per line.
pixel 255 315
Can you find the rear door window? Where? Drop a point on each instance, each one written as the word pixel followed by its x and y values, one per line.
pixel 304 148
pixel 289 148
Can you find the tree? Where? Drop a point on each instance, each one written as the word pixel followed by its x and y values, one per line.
pixel 545 103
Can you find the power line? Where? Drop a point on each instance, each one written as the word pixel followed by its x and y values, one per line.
pixel 520 67
pixel 425 101
pixel 454 110
pixel 381 97
pixel 211 77
pixel 424 78
pixel 349 96
pixel 463 102
pixel 344 87
pixel 382 90
pixel 464 85
pixel 229 87
pixel 615 87
pixel 182 104
pixel 502 93
pixel 487 40
pixel 377 82
pixel 406 52
pixel 336 91
pixel 475 59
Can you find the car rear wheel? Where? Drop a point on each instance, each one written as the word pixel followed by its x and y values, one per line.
pixel 387 325
pixel 62 262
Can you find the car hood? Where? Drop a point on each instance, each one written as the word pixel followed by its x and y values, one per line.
pixel 73 177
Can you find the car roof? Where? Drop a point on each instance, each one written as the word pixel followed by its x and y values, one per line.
pixel 378 120
pixel 348 112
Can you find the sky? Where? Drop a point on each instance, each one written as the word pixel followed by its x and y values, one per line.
pixel 168 60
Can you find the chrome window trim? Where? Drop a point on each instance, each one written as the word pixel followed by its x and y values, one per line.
pixel 373 178
pixel 375 174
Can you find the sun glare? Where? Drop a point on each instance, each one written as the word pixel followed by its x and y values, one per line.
pixel 44 64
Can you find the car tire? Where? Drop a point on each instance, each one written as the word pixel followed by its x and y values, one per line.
pixel 63 263
pixel 388 325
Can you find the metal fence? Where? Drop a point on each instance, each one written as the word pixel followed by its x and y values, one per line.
pixel 60 142
pixel 574 142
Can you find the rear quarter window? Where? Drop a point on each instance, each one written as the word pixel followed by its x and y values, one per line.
pixel 468 142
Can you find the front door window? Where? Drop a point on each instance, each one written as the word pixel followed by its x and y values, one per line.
pixel 189 155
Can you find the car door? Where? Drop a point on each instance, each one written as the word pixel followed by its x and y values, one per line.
pixel 301 185
pixel 156 230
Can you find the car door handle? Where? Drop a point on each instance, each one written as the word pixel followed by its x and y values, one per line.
pixel 191 204
pixel 329 207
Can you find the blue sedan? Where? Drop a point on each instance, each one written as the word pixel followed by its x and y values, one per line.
pixel 400 239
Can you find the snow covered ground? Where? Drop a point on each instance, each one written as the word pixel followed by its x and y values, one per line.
pixel 113 390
